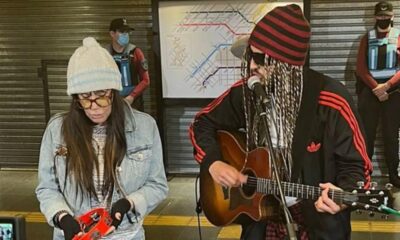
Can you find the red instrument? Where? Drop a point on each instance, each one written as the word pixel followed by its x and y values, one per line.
pixel 94 224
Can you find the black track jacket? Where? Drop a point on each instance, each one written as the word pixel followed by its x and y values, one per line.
pixel 328 144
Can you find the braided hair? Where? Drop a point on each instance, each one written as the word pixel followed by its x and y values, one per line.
pixel 284 86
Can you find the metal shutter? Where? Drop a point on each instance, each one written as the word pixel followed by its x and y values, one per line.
pixel 178 148
pixel 32 31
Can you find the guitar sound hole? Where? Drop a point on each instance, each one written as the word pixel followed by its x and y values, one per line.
pixel 249 188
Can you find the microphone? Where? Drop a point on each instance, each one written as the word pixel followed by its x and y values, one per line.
pixel 254 84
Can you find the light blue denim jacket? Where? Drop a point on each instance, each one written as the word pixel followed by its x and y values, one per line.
pixel 141 175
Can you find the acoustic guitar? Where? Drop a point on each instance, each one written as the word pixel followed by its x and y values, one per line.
pixel 255 200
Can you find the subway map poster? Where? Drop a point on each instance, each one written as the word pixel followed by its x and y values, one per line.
pixel 195 39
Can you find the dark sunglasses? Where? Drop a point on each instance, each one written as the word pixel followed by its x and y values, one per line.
pixel 259 58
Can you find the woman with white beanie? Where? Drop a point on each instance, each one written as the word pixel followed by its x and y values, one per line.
pixel 99 154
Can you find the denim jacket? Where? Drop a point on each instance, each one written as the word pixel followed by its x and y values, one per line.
pixel 140 176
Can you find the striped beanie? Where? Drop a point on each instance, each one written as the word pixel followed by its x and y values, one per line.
pixel 284 34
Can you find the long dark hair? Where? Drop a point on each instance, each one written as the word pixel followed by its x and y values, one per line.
pixel 81 159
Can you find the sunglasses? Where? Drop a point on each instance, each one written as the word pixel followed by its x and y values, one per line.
pixel 258 58
pixel 102 100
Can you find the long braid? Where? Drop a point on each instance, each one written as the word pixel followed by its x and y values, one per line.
pixel 287 87
pixel 284 87
pixel 248 100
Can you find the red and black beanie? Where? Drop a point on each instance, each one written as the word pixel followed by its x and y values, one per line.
pixel 284 34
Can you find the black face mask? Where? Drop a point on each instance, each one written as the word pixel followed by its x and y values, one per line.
pixel 383 24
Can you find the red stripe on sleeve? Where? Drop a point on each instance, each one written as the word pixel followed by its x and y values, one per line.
pixel 218 100
pixel 339 103
pixel 200 154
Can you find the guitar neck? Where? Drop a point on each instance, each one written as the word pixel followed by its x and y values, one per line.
pixel 267 186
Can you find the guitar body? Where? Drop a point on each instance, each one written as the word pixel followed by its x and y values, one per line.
pixel 223 206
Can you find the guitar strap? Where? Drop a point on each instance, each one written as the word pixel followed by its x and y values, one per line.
pixel 313 84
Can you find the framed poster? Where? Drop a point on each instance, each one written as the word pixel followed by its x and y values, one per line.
pixel 195 41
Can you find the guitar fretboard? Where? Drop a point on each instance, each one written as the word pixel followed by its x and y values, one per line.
pixel 267 186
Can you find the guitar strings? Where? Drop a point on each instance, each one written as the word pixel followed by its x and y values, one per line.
pixel 337 195
pixel 269 186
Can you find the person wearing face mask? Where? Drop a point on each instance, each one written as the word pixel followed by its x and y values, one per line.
pixel 378 77
pixel 131 62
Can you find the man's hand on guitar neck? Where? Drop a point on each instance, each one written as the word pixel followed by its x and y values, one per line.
pixel 226 175
pixel 326 204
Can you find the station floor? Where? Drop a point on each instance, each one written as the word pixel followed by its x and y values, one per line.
pixel 174 219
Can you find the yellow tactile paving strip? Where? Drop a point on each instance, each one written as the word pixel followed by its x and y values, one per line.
pixel 230 232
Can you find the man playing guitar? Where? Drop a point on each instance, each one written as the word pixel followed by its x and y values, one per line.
pixel 312 123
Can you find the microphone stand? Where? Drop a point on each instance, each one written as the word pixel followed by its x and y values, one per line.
pixel 290 225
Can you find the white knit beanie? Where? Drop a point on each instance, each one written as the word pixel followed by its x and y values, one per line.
pixel 92 68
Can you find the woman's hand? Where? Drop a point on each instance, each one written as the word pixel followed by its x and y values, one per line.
pixel 70 226
pixel 118 210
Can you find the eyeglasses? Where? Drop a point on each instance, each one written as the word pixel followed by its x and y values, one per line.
pixel 100 101
pixel 259 58
pixel 103 99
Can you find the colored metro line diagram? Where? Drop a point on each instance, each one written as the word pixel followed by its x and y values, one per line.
pixel 195 45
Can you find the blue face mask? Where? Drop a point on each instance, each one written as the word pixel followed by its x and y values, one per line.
pixel 123 39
